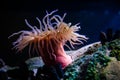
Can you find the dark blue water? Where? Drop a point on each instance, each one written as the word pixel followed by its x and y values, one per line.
pixel 93 16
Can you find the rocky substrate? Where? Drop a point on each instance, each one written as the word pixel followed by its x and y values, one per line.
pixel 112 71
pixel 103 63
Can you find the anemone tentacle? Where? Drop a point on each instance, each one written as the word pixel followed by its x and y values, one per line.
pixel 52 27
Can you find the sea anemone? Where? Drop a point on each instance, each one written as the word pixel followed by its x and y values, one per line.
pixel 48 40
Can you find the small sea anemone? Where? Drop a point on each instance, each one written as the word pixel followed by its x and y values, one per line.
pixel 52 32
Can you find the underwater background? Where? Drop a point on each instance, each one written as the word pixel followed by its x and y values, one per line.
pixel 94 16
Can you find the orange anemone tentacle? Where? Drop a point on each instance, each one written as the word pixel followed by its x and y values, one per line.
pixel 48 40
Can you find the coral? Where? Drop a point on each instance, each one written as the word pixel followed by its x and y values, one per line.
pixel 109 36
pixel 94 65
pixel 103 38
pixel 114 46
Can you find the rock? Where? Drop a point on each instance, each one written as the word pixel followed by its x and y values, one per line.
pixel 112 71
